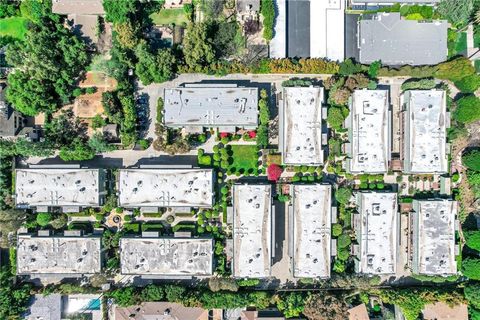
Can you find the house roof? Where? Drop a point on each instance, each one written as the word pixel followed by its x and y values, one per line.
pixel 159 311
pixel 442 311
pixel 7 118
pixel 396 41
pixel 47 307
pixel 358 313
pixel 93 7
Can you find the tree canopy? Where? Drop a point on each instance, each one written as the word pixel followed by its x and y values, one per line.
pixel 197 46
pixel 47 66
pixel 471 159
pixel 468 109
pixel 118 11
pixel 154 67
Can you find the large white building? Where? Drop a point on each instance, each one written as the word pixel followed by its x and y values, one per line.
pixel 312 218
pixel 164 257
pixel 301 126
pixel 252 231
pixel 68 188
pixel 425 131
pixel 376 228
pixel 434 237
pixel 369 125
pixel 155 188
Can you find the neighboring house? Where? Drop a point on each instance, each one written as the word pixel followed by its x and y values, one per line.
pixel 376 229
pixel 87 20
pixel 223 106
pixel 164 258
pixel 358 313
pixel 243 314
pixel 309 28
pixel 442 311
pixel 152 189
pixel 12 122
pixel 44 307
pixel 396 41
pixel 302 140
pixel 434 224
pixel 57 307
pixel 425 123
pixel 57 257
pixel 311 209
pixel 252 231
pixel 71 189
pixel 159 311
pixel 369 131
pixel 247 10
pixel 375 4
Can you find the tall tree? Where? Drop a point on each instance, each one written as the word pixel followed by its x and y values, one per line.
pixel 197 46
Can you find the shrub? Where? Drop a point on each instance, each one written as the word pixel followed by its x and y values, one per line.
pixel 343 254
pixel 337 229
pixel 335 117
pixel 468 109
pixel 344 240
pixel 267 9
pixel 472 239
pixel 127 218
pixel 44 218
pixel 422 84
pixel 471 160
pixel 471 268
pixel 144 144
pixel 468 84
pixel 274 172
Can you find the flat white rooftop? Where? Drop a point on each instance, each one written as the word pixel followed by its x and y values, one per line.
pixel 302 126
pixel 369 131
pixel 377 234
pixel 327 29
pixel 165 187
pixel 252 231
pixel 434 237
pixel 425 131
pixel 57 187
pixel 166 256
pixel 312 230
pixel 211 106
pixel 58 255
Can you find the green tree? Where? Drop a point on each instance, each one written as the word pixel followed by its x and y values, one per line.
pixel 373 69
pixel 343 195
pixel 152 293
pixel 337 229
pixel 197 46
pixel 349 67
pixel 35 10
pixel 64 129
pixel 457 12
pixel 44 218
pixel 10 221
pixel 471 159
pixel 13 298
pixel 344 240
pixel 471 268
pixel 8 8
pixel 324 306
pixel 335 117
pixel 174 293
pixel 472 239
pixel 119 11
pixel 472 294
pixel 227 39
pixel 468 109
pixel 99 144
pixel 468 84
pixel 157 67
pixel 98 122
pixel 77 151
pixel 267 10
pixel 47 65
pixel 127 34
pixel 124 297
pixel 291 304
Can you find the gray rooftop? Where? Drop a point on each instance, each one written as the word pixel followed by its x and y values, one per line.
pixel 301 122
pixel 93 7
pixel 166 256
pixel 57 187
pixel 312 230
pixel 165 187
pixel 369 132
pixel 58 255
pixel 396 41
pixel 252 230
pixel 47 307
pixel 377 232
pixel 425 126
pixel 214 105
pixel 434 237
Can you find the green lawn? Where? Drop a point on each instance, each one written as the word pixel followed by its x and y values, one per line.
pixel 477 65
pixel 14 27
pixel 457 43
pixel 169 16
pixel 244 157
pixel 476 37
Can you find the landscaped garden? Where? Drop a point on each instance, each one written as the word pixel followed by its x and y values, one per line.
pixel 170 16
pixel 244 157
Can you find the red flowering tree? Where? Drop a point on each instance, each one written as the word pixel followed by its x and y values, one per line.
pixel 274 172
pixel 224 134
pixel 252 134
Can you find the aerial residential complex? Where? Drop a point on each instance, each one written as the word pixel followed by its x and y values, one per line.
pixel 397 41
pixel 434 226
pixel 70 189
pixel 68 256
pixel 425 128
pixel 311 209
pixel 152 189
pixel 376 228
pixel 222 106
pixel 149 256
pixel 301 131
pixel 252 231
pixel 369 125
